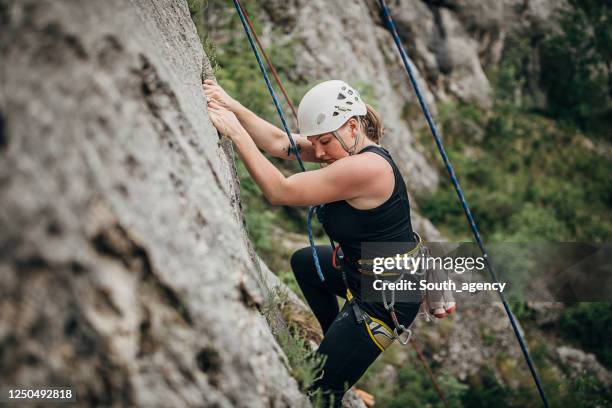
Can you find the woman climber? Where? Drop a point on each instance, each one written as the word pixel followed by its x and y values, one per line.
pixel 365 200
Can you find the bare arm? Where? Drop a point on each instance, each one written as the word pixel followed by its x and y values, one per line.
pixel 265 135
pixel 344 179
pixel 273 139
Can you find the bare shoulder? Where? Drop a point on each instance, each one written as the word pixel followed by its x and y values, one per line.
pixel 376 162
pixel 361 167
pixel 368 161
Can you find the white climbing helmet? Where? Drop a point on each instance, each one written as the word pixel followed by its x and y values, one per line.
pixel 327 106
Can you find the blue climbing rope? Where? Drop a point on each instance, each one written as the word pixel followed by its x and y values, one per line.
pixel 312 209
pixel 268 84
pixel 315 258
pixel 466 208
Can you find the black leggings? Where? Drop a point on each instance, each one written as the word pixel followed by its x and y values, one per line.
pixel 347 346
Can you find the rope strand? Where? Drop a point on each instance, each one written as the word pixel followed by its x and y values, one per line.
pixel 268 62
pixel 429 372
pixel 279 110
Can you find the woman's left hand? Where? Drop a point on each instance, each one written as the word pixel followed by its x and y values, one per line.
pixel 225 121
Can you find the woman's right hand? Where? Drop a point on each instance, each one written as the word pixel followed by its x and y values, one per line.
pixel 216 94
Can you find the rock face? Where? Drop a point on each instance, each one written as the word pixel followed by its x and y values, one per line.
pixel 579 363
pixel 125 271
pixel 454 41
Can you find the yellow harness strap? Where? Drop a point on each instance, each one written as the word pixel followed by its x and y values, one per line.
pixel 380 333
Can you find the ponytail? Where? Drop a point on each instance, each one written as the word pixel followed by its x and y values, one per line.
pixel 371 125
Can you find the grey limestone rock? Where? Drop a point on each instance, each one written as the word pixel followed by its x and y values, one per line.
pixel 124 266
pixel 578 363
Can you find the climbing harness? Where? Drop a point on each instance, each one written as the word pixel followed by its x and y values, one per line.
pixel 431 301
pixel 399 332
pixel 391 26
pixel 380 333
pixel 438 303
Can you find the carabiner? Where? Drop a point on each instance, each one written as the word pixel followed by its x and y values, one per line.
pixel 405 331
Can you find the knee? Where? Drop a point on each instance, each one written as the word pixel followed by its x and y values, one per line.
pixel 300 261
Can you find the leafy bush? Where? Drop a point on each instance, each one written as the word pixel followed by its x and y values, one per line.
pixel 412 386
pixel 486 391
pixel 590 326
pixel 577 66
pixel 304 363
pixel 525 175
pixel 528 178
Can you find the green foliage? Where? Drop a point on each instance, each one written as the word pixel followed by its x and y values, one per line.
pixel 587 392
pixel 288 278
pixel 485 391
pixel 412 388
pixel 590 326
pixel 539 174
pixel 525 177
pixel 488 388
pixel 304 364
pixel 522 311
pixel 197 9
pixel 577 65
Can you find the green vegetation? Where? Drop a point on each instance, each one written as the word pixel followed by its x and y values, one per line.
pixel 577 67
pixel 526 177
pixel 304 364
pixel 197 9
pixel 533 172
pixel 396 385
pixel 590 326
pixel 397 382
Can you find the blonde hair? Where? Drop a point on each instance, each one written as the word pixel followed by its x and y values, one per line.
pixel 371 125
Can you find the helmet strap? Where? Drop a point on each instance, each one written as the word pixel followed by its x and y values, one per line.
pixel 351 150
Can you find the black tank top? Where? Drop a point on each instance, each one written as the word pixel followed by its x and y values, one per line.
pixel 389 222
